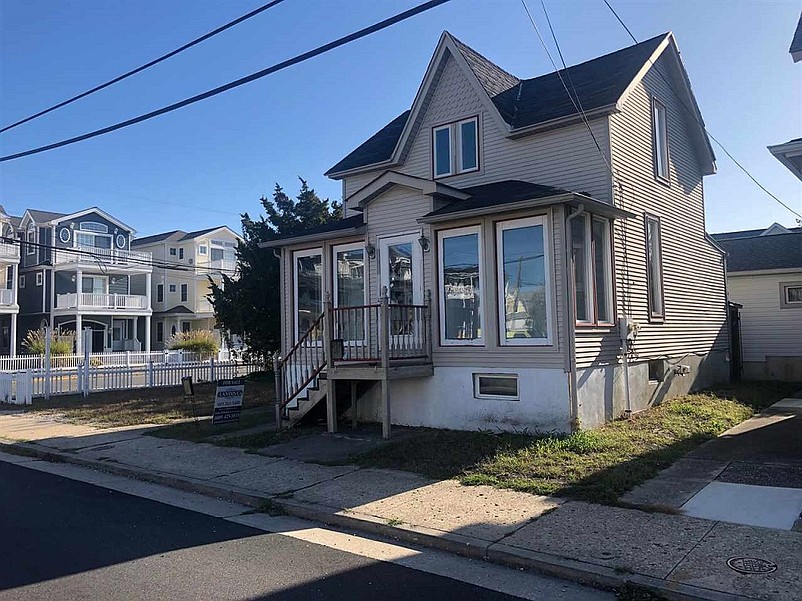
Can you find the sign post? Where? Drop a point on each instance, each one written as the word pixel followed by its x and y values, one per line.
pixel 228 401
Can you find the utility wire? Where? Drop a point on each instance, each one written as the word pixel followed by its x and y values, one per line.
pixel 700 122
pixel 574 101
pixel 162 58
pixel 239 82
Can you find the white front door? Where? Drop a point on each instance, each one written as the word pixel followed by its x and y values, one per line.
pixel 401 272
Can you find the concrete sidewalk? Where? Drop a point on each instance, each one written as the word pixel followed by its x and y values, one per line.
pixel 679 557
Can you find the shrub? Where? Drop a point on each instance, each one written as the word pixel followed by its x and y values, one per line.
pixel 61 343
pixel 196 341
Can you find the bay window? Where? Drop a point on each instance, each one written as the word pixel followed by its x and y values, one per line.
pixel 461 273
pixel 308 268
pixel 524 282
pixel 592 270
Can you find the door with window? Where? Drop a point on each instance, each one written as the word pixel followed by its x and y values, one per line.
pixel 401 272
pixel 349 293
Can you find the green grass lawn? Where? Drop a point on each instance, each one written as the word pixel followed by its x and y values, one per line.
pixel 148 406
pixel 597 465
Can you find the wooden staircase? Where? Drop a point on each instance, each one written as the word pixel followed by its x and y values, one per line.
pixel 306 401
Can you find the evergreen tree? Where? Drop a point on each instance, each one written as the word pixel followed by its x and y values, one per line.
pixel 250 305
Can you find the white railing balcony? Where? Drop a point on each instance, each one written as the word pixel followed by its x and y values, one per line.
pixel 93 300
pixel 204 306
pixel 229 266
pixel 9 251
pixel 6 298
pixel 105 256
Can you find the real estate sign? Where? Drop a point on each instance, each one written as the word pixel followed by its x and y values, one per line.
pixel 228 401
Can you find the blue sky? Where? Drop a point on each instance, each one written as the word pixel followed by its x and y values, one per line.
pixel 205 164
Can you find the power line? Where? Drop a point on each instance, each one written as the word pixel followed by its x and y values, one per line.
pixel 699 121
pixel 239 82
pixel 162 58
pixel 575 102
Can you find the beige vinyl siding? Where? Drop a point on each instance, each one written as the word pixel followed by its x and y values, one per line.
pixel 693 272
pixel 565 157
pixel 766 329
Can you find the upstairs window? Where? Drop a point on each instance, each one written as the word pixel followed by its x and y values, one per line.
pixel 172 252
pixel 184 293
pixel 791 295
pixel 660 134
pixel 31 242
pixel 654 267
pixel 202 250
pixel 160 293
pixel 181 253
pixel 592 267
pixel 455 147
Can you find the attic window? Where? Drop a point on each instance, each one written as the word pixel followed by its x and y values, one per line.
pixel 455 147
pixel 660 126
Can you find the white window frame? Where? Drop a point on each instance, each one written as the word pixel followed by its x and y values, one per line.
pixel 173 251
pixel 458 128
pixel 650 275
pixel 298 254
pixel 181 254
pixel 496 397
pixel 660 140
pixel 501 227
pixel 592 308
pixel 785 302
pixel 335 288
pixel 171 288
pixel 454 129
pixel 159 288
pixel 203 250
pixel 442 235
pixel 184 293
pixel 30 248
pixel 450 151
pixel 21 281
pixel 39 278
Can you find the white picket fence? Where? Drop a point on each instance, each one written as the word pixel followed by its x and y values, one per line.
pixel 20 387
pixel 118 359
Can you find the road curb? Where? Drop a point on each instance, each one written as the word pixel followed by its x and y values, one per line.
pixel 466 546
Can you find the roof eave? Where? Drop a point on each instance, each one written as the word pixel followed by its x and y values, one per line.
pixel 322 236
pixel 562 121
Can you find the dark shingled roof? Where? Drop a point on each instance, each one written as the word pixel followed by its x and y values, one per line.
pixel 748 233
pixel 522 103
pixel 178 309
pixel 796 43
pixel 774 251
pixel 332 226
pixel 498 194
pixel 42 216
pixel 154 238
pixel 198 233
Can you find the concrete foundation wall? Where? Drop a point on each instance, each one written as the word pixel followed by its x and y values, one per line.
pixel 783 369
pixel 447 400
pixel 602 394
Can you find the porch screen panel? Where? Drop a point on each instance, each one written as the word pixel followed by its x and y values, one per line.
pixel 461 287
pixel 351 291
pixel 524 282
pixel 308 291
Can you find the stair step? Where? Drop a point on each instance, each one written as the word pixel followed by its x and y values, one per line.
pixel 322 376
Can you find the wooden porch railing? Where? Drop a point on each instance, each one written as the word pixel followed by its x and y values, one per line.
pixel 378 333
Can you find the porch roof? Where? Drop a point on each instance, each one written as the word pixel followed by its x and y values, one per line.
pixel 510 195
pixel 333 229
pixel 177 310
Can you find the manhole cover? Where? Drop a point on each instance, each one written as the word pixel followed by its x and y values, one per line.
pixel 751 565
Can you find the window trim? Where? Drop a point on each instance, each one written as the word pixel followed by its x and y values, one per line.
pixel 658 137
pixel 184 293
pixel 435 129
pixel 21 283
pixel 30 244
pixel 159 331
pixel 159 293
pixel 501 226
pixel 784 302
pixel 171 289
pixel 496 397
pixel 590 273
pixel 654 317
pixel 40 278
pixel 310 252
pixel 203 249
pixel 172 251
pixel 454 129
pixel 455 233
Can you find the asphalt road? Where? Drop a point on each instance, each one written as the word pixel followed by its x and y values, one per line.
pixel 62 539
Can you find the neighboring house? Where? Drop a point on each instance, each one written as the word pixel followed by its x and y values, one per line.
pixel 9 265
pixel 183 262
pixel 790 153
pixel 510 254
pixel 764 276
pixel 78 271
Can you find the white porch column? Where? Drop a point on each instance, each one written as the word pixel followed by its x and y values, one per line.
pixel 147 290
pixel 79 286
pixel 147 325
pixel 79 330
pixel 13 346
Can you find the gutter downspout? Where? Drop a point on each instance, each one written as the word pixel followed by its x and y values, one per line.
pixel 572 380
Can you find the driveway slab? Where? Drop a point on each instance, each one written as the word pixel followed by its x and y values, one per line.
pixel 280 476
pixel 706 565
pixel 622 539
pixel 767 506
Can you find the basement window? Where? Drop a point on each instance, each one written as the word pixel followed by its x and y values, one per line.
pixel 496 386
pixel 657 370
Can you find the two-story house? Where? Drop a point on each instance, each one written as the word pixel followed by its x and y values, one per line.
pixel 183 263
pixel 78 271
pixel 9 265
pixel 511 257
